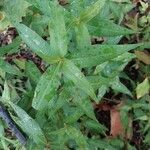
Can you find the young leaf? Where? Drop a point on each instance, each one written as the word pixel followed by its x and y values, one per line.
pixel 101 91
pixel 46 88
pixel 4 21
pixel 71 72
pixel 143 88
pixel 90 12
pixel 6 93
pixel 28 125
pixel 57 29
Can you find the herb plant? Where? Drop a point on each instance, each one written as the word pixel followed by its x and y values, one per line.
pixel 54 106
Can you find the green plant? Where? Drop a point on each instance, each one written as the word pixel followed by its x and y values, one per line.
pixel 55 108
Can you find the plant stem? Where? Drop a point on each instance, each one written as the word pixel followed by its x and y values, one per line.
pixel 11 124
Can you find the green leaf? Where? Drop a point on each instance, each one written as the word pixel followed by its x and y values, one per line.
pixel 143 88
pixel 113 40
pixel 35 74
pixel 33 2
pixel 46 88
pixel 74 115
pixel 33 40
pixel 104 27
pixel 76 7
pixel 83 38
pixel 95 126
pixel 118 86
pixel 83 102
pixel 101 91
pixel 4 21
pixel 72 72
pixel 15 9
pixel 87 107
pixel 75 134
pixel 20 63
pixel 111 69
pixel 98 54
pixel 6 93
pixel 98 81
pixel 147 138
pixel 43 5
pixel 90 12
pixel 6 67
pixel 57 29
pixel 120 9
pixel 94 143
pixel 63 98
pixel 36 43
pixel 58 38
pixel 39 25
pixel 28 125
pixel 1 130
pixel 11 48
pixel 4 144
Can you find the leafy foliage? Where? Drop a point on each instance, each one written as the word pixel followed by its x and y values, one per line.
pixel 55 106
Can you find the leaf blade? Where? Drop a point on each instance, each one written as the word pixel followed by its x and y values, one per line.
pixel 36 43
pixel 104 27
pixel 143 88
pixel 28 125
pixel 98 54
pixel 74 74
pixel 49 83
pixel 91 11
pixel 57 30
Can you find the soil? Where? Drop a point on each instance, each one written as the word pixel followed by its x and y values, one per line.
pixel 7 37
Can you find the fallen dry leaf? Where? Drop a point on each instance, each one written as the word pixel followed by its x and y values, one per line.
pixel 117 128
pixel 116 125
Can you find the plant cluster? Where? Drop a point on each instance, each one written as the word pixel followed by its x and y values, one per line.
pixel 83 56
